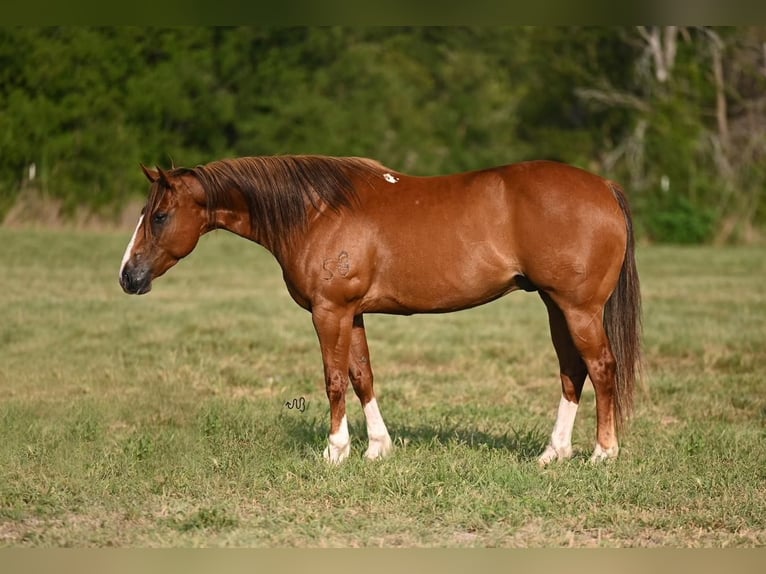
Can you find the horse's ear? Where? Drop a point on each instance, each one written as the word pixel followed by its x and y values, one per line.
pixel 163 178
pixel 151 175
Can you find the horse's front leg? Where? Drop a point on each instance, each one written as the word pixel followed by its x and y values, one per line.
pixel 333 327
pixel 360 372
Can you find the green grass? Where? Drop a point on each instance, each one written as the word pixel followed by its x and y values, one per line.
pixel 160 420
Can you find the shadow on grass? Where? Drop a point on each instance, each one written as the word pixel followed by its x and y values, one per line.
pixel 303 431
pixel 526 443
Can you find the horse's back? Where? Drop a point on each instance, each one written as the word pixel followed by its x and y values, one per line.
pixel 533 204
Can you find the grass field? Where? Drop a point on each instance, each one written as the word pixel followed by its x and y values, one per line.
pixel 161 420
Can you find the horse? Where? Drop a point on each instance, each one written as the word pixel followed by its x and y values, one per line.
pixel 354 237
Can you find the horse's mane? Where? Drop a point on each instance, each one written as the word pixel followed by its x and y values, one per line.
pixel 278 190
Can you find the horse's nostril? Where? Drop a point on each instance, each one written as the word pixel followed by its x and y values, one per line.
pixel 125 280
pixel 135 281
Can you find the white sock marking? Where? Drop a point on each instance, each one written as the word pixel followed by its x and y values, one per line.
pixel 377 433
pixel 561 437
pixel 129 250
pixel 562 430
pixel 339 444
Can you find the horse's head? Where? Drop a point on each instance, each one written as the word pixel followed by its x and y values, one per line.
pixel 168 229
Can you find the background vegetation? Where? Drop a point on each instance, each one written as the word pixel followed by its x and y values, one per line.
pixel 678 115
pixel 161 420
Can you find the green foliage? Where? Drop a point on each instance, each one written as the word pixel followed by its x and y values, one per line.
pixel 678 221
pixel 554 121
pixel 86 105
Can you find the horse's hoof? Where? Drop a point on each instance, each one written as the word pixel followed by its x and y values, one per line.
pixel 601 454
pixel 551 454
pixel 336 454
pixel 379 447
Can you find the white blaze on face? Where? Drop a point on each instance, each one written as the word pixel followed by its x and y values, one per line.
pixel 129 249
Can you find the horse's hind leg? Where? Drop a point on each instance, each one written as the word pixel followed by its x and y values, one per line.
pixel 360 373
pixel 573 372
pixel 586 325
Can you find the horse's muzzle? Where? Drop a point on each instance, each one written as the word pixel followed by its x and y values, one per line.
pixel 135 281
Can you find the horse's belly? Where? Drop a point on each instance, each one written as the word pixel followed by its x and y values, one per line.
pixel 443 281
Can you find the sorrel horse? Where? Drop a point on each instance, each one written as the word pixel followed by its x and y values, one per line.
pixel 354 237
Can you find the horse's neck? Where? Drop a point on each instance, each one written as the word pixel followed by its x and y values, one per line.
pixel 237 221
pixel 234 220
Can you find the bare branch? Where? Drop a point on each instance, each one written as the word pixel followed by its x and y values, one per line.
pixel 716 48
pixel 611 97
pixel 671 32
pixel 661 43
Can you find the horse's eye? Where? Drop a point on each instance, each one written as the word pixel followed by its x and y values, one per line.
pixel 159 218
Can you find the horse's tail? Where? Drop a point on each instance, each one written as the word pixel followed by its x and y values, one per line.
pixel 622 321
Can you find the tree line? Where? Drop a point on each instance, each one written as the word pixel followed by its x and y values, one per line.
pixel 676 114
